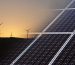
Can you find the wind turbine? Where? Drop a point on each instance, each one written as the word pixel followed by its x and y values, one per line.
pixel 27 33
pixel 11 35
pixel 0 26
pixel 1 23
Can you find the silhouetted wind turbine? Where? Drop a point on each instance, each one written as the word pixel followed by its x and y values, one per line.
pixel 27 33
pixel 11 35
pixel 0 29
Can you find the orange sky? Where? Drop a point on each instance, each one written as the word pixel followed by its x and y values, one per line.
pixel 17 23
pixel 20 15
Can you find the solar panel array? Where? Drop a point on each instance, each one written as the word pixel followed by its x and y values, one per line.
pixel 46 46
pixel 43 50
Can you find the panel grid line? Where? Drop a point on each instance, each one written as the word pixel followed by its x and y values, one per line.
pixel 35 33
pixel 62 9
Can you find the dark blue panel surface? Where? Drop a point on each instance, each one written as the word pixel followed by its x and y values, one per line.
pixel 43 50
pixel 67 57
pixel 65 23
pixel 72 6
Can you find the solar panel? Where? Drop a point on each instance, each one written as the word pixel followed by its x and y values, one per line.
pixel 67 56
pixel 65 23
pixel 43 50
pixel 72 6
pixel 13 52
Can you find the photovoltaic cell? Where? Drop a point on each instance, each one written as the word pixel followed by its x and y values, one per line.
pixel 65 23
pixel 43 50
pixel 16 49
pixel 72 6
pixel 67 56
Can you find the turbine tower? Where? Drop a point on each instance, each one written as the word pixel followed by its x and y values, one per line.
pixel 1 24
pixel 27 33
pixel 11 35
pixel 0 27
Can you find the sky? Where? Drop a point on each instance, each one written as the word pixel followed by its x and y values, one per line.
pixel 19 15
